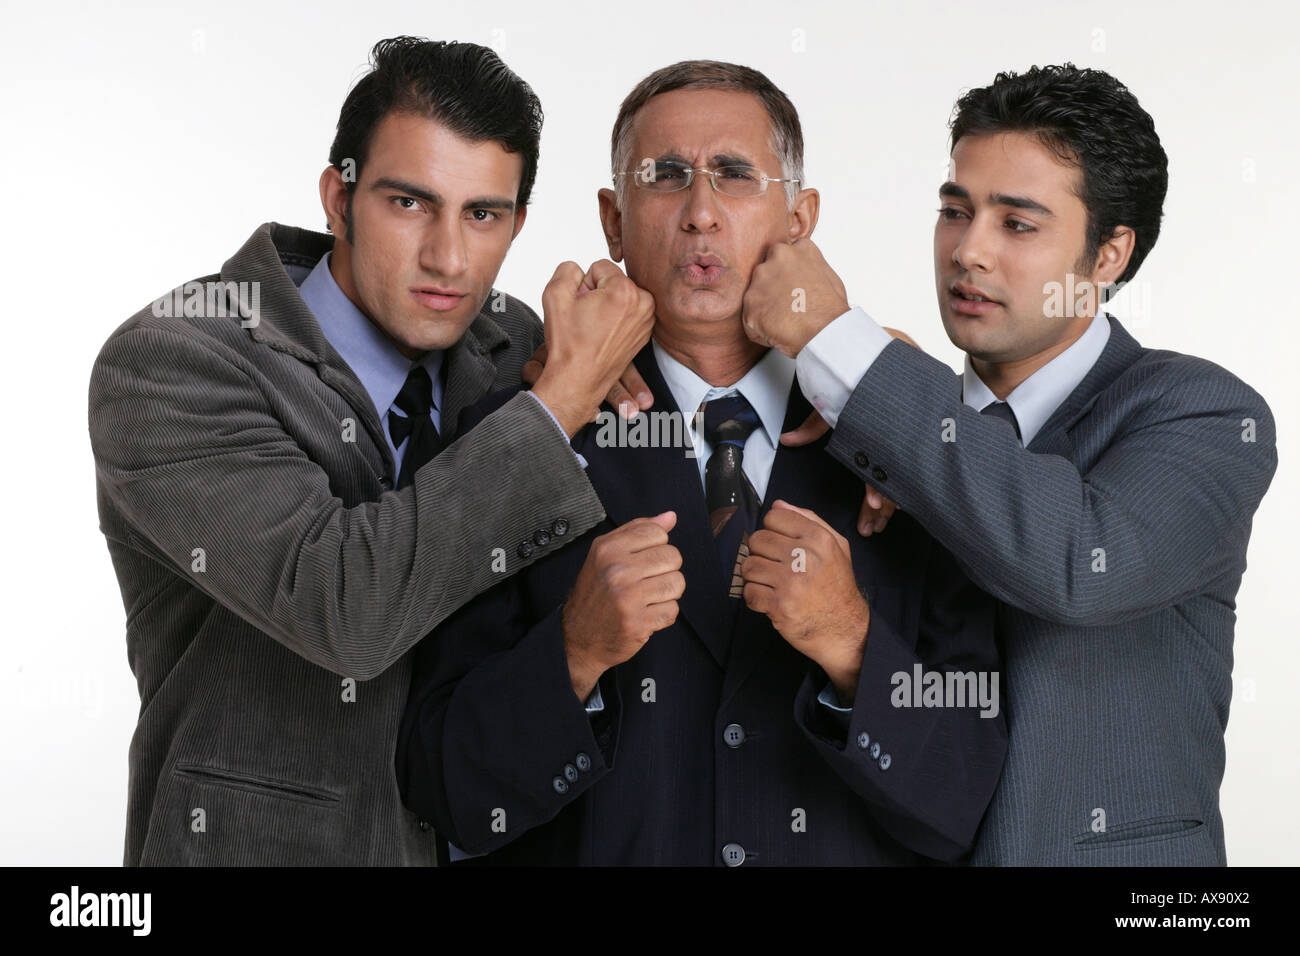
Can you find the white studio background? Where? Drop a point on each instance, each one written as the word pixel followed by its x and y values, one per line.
pixel 145 142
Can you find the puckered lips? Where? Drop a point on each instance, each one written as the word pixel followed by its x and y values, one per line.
pixel 967 299
pixel 437 297
pixel 701 268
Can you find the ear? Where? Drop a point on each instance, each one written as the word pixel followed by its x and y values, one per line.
pixel 1113 256
pixel 611 221
pixel 803 216
pixel 521 213
pixel 334 199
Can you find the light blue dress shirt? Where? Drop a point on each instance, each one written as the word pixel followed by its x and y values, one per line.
pixel 370 353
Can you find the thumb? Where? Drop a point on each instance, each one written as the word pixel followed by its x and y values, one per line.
pixel 667 520
pixel 813 428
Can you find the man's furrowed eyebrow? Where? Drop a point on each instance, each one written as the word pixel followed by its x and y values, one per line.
pixel 951 190
pixel 489 202
pixel 1020 202
pixel 496 203
pixel 718 159
pixel 411 189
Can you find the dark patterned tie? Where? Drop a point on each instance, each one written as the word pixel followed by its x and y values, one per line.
pixel 416 400
pixel 731 499
pixel 1003 411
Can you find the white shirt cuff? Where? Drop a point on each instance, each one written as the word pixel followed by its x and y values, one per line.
pixel 830 366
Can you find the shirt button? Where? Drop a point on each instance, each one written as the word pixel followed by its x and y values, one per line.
pixel 560 786
pixel 559 527
pixel 541 539
pixel 583 762
pixel 733 854
pixel 570 773
pixel 864 740
pixel 885 761
pixel 879 473
pixel 860 459
pixel 733 735
pixel 875 750
pixel 525 549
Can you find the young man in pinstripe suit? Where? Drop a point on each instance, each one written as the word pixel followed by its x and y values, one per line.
pixel 1102 491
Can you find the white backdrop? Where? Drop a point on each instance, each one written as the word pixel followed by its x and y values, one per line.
pixel 145 142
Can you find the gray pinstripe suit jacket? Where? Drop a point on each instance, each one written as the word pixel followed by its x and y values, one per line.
pixel 262 563
pixel 1118 680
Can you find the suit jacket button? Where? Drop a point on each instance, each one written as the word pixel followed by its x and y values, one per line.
pixel 733 735
pixel 570 773
pixel 559 527
pixel 733 854
pixel 864 740
pixel 583 762
pixel 860 459
pixel 525 549
pixel 885 761
pixel 386 483
pixel 559 785
pixel 541 539
pixel 879 473
pixel 875 750
pixel 425 826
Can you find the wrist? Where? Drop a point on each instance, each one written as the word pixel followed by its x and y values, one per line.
pixel 845 666
pixel 811 327
pixel 572 409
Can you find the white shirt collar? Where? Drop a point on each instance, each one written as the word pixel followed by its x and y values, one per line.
pixel 1037 397
pixel 766 387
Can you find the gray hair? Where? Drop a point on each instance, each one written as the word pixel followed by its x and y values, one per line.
pixel 786 139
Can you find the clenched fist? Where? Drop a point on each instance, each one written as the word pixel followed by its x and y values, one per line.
pixel 793 294
pixel 595 323
pixel 627 589
pixel 800 574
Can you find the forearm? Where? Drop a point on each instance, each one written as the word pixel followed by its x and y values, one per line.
pixel 496 751
pixel 1034 531
pixel 235 503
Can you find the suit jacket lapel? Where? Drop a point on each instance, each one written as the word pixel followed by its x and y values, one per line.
pixel 1121 351
pixel 639 482
pixel 468 370
pixel 286 324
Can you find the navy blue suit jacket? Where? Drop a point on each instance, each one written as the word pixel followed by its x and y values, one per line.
pixel 711 736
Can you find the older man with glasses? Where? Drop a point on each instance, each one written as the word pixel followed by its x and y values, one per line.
pixel 722 672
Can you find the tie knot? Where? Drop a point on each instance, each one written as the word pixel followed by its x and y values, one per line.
pixel 1003 411
pixel 416 396
pixel 729 420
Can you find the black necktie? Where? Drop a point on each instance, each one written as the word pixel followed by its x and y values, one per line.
pixel 1003 411
pixel 731 499
pixel 416 400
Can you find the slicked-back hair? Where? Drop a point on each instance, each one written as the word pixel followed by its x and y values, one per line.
pixel 1090 120
pixel 787 134
pixel 463 86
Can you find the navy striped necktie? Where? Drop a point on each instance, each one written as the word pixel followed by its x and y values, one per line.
pixel 731 500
